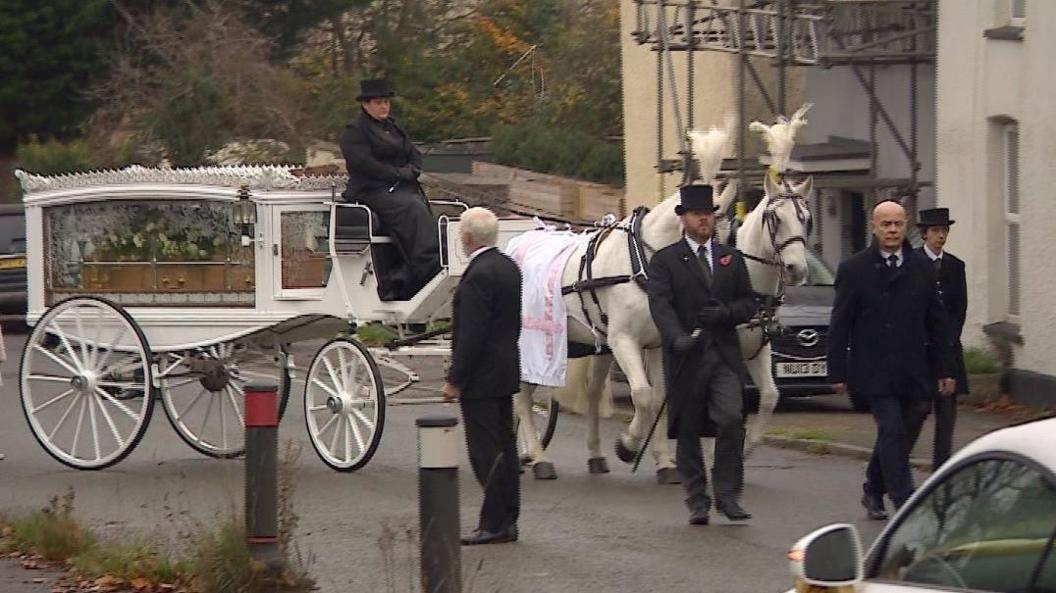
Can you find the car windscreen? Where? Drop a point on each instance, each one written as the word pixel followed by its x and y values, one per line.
pixel 12 234
pixel 818 273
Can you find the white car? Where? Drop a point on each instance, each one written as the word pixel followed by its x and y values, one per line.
pixel 986 521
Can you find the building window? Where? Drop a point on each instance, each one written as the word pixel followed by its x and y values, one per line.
pixel 1012 216
pixel 1017 12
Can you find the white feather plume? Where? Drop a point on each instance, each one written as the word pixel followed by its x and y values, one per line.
pixel 709 147
pixel 781 137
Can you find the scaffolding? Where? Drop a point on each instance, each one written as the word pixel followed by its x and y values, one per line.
pixel 858 34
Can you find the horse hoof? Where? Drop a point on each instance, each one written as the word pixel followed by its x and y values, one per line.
pixel 625 454
pixel 544 470
pixel 668 475
pixel 598 465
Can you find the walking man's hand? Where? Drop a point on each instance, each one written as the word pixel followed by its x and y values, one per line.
pixel 451 393
pixel 839 388
pixel 947 385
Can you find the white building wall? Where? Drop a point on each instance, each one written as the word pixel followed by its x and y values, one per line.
pixel 983 84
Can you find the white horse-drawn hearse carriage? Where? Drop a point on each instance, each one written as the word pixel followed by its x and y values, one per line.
pixel 185 284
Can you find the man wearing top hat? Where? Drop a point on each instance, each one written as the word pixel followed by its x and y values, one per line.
pixel 383 168
pixel 699 291
pixel 934 225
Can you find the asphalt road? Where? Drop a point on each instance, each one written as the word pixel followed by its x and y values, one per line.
pixel 581 533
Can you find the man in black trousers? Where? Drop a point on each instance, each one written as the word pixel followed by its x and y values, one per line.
pixel 699 291
pixel 383 168
pixel 952 286
pixel 485 373
pixel 888 340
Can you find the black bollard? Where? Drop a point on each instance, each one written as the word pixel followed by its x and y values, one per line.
pixel 438 515
pixel 262 475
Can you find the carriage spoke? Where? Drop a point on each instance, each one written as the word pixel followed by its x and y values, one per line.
pixel 77 432
pixel 174 383
pixel 223 420
pixel 205 418
pixel 131 385
pixel 326 425
pixel 128 412
pixel 56 328
pixel 110 423
pixel 338 385
pixel 359 435
pixel 343 367
pixel 86 361
pixel 324 387
pixel 337 432
pixel 94 362
pixel 188 407
pixel 364 419
pixel 348 439
pixel 66 414
pixel 178 360
pixel 106 358
pixel 51 378
pixel 55 358
pixel 46 404
pixel 94 425
pixel 231 391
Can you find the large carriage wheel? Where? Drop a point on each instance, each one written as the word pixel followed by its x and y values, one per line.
pixel 545 416
pixel 86 382
pixel 344 404
pixel 202 392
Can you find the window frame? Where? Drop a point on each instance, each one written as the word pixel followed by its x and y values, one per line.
pixel 1013 19
pixel 879 548
pixel 1012 219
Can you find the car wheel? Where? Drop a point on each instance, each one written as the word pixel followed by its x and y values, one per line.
pixel 859 402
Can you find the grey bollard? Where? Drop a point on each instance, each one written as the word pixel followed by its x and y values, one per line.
pixel 262 476
pixel 438 512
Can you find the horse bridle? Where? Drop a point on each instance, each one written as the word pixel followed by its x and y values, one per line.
pixel 771 224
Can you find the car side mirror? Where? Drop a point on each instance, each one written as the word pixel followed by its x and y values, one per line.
pixel 828 557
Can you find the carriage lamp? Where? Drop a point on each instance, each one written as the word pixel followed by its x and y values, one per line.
pixel 245 212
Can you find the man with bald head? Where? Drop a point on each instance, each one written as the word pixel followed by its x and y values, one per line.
pixel 888 341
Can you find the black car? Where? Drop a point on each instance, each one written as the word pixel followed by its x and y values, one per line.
pixel 12 259
pixel 799 351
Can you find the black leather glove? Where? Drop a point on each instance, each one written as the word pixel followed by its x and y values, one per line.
pixel 714 315
pixel 683 344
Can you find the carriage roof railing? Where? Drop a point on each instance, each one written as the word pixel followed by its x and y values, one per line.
pixel 256 177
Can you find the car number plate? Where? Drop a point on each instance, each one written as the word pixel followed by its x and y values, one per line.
pixel 812 368
pixel 12 262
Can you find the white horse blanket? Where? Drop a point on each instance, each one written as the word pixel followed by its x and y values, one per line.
pixel 542 255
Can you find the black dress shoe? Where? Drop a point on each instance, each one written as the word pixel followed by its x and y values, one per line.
pixel 699 516
pixel 874 507
pixel 732 510
pixel 483 536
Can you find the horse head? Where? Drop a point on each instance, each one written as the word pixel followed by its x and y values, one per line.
pixel 782 222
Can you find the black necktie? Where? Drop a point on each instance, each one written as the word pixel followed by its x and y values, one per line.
pixel 892 261
pixel 705 264
pixel 937 262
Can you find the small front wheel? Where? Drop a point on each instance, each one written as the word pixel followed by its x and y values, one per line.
pixel 344 404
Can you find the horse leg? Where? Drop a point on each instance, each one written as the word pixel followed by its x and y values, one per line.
pixel 665 464
pixel 763 376
pixel 542 468
pixel 596 464
pixel 629 354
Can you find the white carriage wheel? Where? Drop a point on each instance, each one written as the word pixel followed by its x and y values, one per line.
pixel 86 382
pixel 203 396
pixel 544 413
pixel 344 404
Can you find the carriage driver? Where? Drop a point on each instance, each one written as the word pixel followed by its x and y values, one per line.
pixel 383 168
pixel 699 291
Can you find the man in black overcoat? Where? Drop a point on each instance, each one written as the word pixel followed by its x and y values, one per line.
pixel 485 373
pixel 383 168
pixel 888 340
pixel 699 291
pixel 952 286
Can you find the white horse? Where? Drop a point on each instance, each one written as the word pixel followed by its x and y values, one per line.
pixel 772 237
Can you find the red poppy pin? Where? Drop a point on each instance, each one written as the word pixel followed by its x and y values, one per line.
pixel 725 260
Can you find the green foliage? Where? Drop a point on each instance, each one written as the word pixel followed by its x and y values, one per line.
pixel 53 156
pixel 559 150
pixel 129 562
pixel 375 334
pixel 978 361
pixel 50 53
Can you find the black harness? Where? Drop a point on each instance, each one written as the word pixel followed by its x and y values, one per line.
pixel 639 252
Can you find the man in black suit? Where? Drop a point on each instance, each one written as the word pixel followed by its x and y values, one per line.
pixel 952 287
pixel 699 291
pixel 888 340
pixel 485 373
pixel 383 168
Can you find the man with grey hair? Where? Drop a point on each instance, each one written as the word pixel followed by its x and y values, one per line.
pixel 485 372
